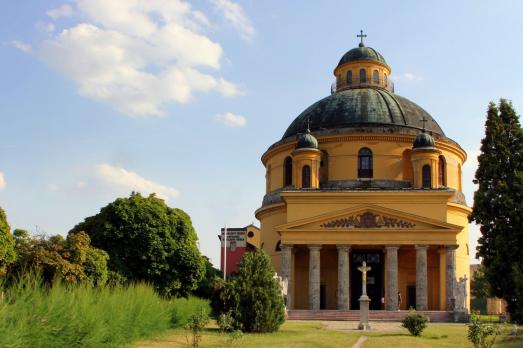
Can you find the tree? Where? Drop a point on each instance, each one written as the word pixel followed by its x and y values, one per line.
pixel 72 260
pixel 206 286
pixel 498 205
pixel 253 297
pixel 7 244
pixel 148 241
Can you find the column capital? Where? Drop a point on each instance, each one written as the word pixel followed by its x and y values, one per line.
pixel 391 247
pixel 286 246
pixel 343 247
pixel 420 246
pixel 314 247
pixel 451 247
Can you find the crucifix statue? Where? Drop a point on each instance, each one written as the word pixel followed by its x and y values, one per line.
pixel 364 299
pixel 364 269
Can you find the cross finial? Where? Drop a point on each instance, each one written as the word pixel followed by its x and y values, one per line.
pixel 361 36
pixel 424 120
pixel 308 125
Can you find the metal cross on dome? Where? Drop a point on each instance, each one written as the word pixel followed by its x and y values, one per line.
pixel 361 36
pixel 424 120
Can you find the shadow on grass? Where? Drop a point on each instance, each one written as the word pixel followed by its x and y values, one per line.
pixel 390 335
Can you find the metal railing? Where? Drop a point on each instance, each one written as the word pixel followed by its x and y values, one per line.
pixel 342 84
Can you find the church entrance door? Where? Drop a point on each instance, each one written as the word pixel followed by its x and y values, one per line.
pixel 374 259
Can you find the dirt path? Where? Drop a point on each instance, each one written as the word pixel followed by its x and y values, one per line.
pixel 359 342
pixel 377 326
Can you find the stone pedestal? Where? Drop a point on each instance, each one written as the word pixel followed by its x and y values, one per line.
pixel 364 313
pixel 421 278
pixel 343 277
pixel 314 277
pixel 392 277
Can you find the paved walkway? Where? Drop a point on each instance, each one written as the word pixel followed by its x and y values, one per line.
pixel 376 326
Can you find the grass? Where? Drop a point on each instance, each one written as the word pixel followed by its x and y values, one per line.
pixel 34 316
pixel 314 334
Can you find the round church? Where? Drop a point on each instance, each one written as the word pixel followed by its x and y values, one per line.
pixel 365 175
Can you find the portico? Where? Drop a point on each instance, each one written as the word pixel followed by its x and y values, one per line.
pixel 320 255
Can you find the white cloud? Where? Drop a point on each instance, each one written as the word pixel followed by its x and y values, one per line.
pixel 22 46
pixel 407 77
pixel 236 16
pixel 62 11
pixel 2 181
pixel 231 120
pixel 120 177
pixel 138 55
pixel 45 26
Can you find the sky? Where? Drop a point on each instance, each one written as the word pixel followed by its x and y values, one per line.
pixel 102 97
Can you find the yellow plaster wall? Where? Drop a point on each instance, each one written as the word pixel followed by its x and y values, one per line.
pixel 389 160
pixel 269 238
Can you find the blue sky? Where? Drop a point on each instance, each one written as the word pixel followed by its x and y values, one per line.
pixel 102 97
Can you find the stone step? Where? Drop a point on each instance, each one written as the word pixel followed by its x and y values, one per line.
pixel 304 314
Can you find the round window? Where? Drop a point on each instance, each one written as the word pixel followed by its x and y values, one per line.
pixel 250 234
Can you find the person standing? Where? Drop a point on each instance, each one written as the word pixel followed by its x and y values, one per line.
pixel 399 300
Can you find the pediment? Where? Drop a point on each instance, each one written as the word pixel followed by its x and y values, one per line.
pixel 368 217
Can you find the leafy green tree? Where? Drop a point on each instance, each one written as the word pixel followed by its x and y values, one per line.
pixel 479 286
pixel 147 241
pixel 7 244
pixel 498 205
pixel 72 260
pixel 253 296
pixel 205 288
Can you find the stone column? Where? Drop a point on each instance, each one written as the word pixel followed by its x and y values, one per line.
pixel 314 277
pixel 343 277
pixel 286 272
pixel 421 277
pixel 450 276
pixel 392 277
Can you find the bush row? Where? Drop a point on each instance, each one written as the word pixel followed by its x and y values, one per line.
pixel 35 315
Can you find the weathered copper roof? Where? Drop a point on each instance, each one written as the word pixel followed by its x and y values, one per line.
pixel 423 141
pixel 362 53
pixel 307 141
pixel 362 107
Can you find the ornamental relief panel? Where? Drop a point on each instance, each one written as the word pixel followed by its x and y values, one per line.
pixel 369 220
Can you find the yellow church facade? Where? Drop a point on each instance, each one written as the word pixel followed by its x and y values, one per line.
pixel 366 175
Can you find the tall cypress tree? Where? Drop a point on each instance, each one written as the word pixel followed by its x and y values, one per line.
pixel 498 205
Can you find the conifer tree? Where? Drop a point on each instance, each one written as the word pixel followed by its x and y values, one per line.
pixel 498 205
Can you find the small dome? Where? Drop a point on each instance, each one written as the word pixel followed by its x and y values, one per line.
pixel 307 141
pixel 423 141
pixel 362 53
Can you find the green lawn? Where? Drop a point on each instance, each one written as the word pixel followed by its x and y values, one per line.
pixel 314 334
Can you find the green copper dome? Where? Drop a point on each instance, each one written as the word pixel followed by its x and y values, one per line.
pixel 362 53
pixel 423 141
pixel 307 141
pixel 363 109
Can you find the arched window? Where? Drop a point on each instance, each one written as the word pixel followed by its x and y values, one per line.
pixel 287 175
pixel 425 177
pixel 306 177
pixel 385 79
pixel 376 77
pixel 363 75
pixel 349 77
pixel 442 177
pixel 365 163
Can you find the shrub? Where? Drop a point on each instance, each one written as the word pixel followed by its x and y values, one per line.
pixel 415 322
pixel 184 308
pixel 226 322
pixel 481 335
pixel 253 297
pixel 195 325
pixel 36 315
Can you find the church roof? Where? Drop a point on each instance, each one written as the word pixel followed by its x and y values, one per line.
pixel 307 141
pixel 423 141
pixel 362 53
pixel 361 108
